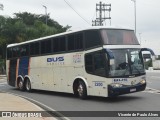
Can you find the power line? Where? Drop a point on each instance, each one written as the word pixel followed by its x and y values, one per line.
pixel 94 15
pixel 76 11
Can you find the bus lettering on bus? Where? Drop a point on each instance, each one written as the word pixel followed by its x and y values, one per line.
pixel 55 59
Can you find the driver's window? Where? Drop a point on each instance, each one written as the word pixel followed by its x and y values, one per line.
pixel 99 66
pixel 95 63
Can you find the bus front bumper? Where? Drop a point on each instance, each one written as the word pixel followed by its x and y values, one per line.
pixel 112 91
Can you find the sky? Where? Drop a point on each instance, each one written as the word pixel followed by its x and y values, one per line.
pixel 122 15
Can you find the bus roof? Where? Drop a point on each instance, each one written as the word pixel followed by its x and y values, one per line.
pixel 68 32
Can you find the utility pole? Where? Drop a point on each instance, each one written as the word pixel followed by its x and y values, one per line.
pixel 134 13
pixel 140 38
pixel 45 12
pixel 95 23
pixel 101 9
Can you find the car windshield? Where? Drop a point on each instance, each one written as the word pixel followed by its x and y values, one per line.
pixel 126 62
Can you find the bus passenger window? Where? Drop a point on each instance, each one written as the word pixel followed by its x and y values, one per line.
pixel 71 42
pixel 62 44
pixel 59 44
pixel 92 39
pixel 75 41
pixel 34 48
pixel 78 41
pixel 9 53
pixel 89 63
pixel 16 52
pixel 99 66
pixel 45 46
pixel 55 45
pixel 94 64
pixel 24 50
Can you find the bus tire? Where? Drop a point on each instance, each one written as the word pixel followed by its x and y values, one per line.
pixel 82 90
pixel 20 84
pixel 28 85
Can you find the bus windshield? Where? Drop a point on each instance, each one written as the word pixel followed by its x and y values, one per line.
pixel 118 37
pixel 126 62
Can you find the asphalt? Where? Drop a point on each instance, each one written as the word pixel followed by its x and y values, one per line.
pixel 11 104
pixel 13 107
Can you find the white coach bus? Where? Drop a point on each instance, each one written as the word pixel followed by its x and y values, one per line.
pixel 96 62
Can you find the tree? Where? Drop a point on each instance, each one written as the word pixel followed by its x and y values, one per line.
pixel 26 26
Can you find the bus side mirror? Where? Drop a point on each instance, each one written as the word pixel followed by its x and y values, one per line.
pixel 148 49
pixel 151 51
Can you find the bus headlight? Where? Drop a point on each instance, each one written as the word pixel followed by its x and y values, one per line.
pixel 143 82
pixel 116 85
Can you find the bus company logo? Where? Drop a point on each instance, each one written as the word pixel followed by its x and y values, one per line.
pixel 55 59
pixel 77 58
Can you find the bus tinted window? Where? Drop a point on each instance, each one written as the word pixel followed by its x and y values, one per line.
pixel 94 63
pixel 16 51
pixel 46 46
pixel 59 44
pixel 75 41
pixel 62 44
pixel 92 38
pixel 78 41
pixel 9 53
pixel 119 37
pixel 24 50
pixel 89 63
pixel 34 48
pixel 71 42
pixel 99 66
pixel 55 44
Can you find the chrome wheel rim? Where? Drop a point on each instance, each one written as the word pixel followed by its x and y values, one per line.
pixel 28 85
pixel 20 85
pixel 80 90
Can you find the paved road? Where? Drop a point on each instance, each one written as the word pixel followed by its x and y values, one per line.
pixel 148 100
pixel 153 80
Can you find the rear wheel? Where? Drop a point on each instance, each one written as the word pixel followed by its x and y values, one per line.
pixel 82 90
pixel 20 85
pixel 28 85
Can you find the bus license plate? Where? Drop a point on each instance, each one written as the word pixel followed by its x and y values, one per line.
pixel 133 90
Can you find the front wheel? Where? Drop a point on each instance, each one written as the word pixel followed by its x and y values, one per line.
pixel 82 90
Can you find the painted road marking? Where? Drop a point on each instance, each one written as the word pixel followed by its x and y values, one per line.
pixel 149 82
pixel 3 83
pixel 155 77
pixel 152 90
pixel 39 104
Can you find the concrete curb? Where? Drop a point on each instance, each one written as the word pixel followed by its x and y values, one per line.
pixel 10 102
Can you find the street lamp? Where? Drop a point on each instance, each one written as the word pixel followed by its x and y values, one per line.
pixel 140 38
pixel 1 6
pixel 45 12
pixel 134 13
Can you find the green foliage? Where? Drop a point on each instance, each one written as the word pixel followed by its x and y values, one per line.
pixel 26 26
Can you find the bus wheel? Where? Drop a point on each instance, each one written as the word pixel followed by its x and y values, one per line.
pixel 28 85
pixel 82 91
pixel 20 85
